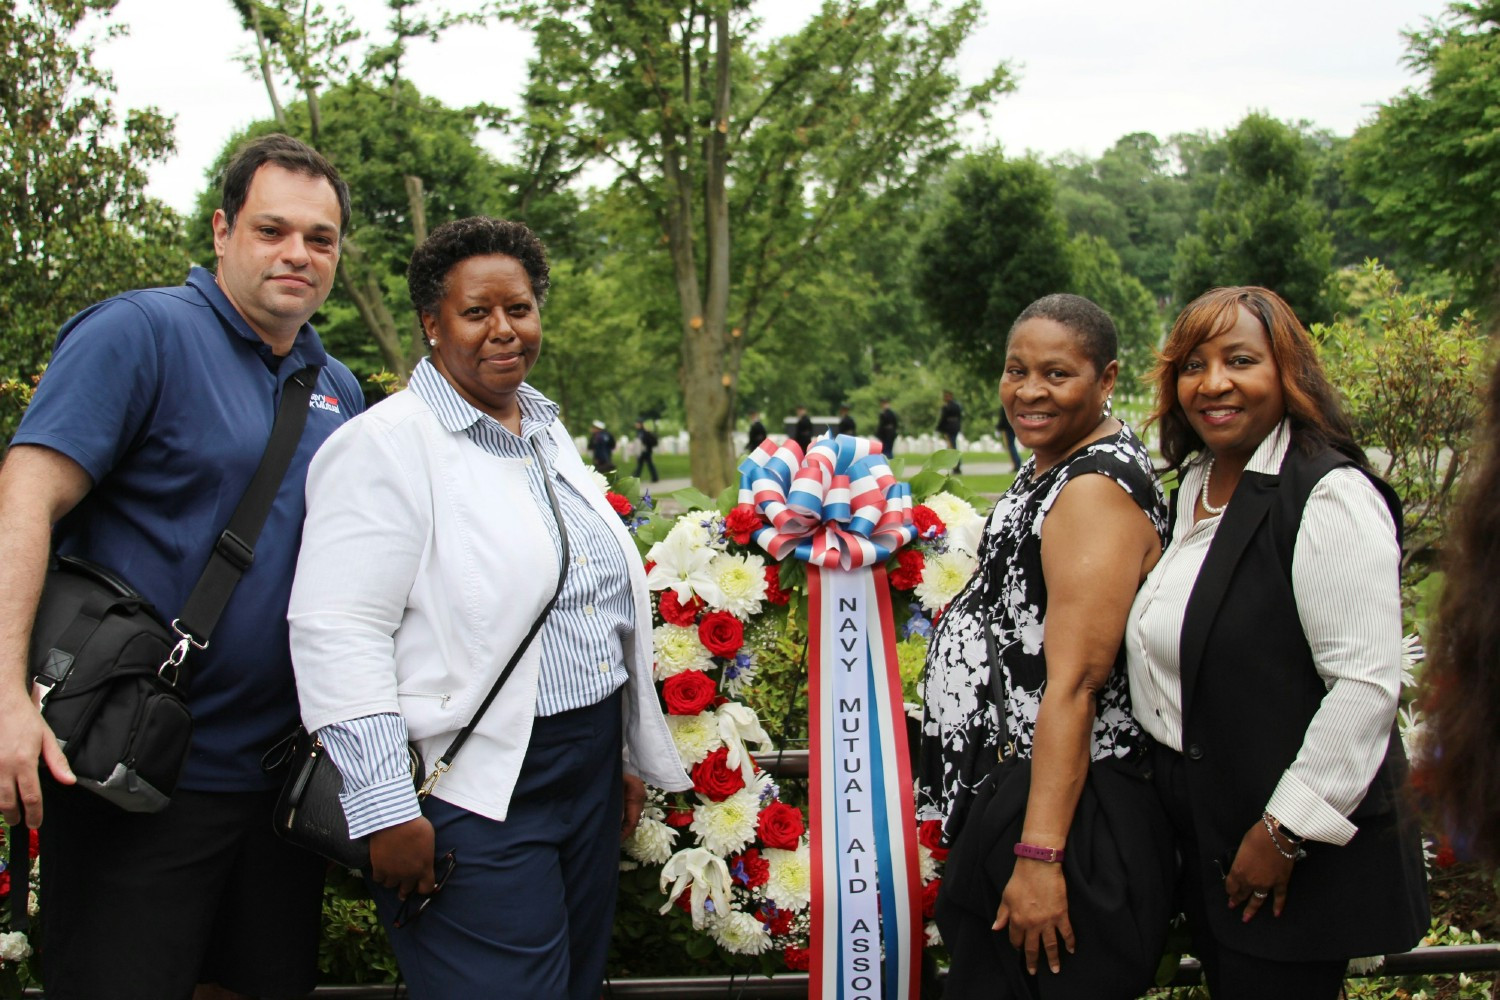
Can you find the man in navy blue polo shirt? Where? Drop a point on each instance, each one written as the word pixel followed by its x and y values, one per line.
pixel 138 445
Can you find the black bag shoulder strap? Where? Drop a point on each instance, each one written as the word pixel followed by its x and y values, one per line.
pixel 235 549
pixel 446 761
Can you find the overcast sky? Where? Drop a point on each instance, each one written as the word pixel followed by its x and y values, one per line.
pixel 1089 71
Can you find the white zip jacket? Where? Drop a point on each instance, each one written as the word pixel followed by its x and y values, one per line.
pixel 424 562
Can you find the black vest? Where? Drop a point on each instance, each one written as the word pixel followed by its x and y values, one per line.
pixel 1249 692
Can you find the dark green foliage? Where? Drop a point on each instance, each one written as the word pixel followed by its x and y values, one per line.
pixel 78 226
pixel 993 244
pixel 1264 227
pixel 1429 164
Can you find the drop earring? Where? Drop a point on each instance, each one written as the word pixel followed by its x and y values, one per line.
pixel 1109 407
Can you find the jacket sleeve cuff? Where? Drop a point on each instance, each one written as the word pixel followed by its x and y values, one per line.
pixel 1302 812
pixel 370 753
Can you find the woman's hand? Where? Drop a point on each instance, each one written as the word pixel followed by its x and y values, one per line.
pixel 402 856
pixel 1035 908
pixel 635 801
pixel 1259 872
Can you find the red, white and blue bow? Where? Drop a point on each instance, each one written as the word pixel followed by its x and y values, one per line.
pixel 841 510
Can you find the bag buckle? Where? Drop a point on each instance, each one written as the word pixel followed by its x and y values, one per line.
pixel 179 652
pixel 234 549
pixel 432 779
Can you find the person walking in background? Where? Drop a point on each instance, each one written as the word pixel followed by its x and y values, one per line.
pixel 602 447
pixel 757 431
pixel 1460 766
pixel 950 424
pixel 802 431
pixel 439 529
pixel 1008 435
pixel 647 439
pixel 1264 653
pixel 886 426
pixel 846 422
pixel 155 411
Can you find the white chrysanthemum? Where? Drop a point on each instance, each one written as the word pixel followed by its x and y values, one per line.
pixel 950 509
pixel 926 864
pixel 741 582
pixel 682 560
pixel 725 827
pixel 652 842
pixel 705 528
pixel 678 649
pixel 696 736
pixel 790 883
pixel 739 933
pixel 14 947
pixel 1412 654
pixel 943 576
pixel 599 479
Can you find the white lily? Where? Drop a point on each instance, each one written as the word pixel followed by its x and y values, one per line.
pixel 704 875
pixel 682 564
pixel 738 724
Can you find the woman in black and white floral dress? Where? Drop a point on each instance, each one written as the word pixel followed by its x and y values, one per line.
pixel 1061 559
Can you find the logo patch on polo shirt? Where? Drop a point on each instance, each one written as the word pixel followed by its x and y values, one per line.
pixel 322 402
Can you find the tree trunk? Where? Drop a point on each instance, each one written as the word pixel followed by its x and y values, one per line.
pixel 418 209
pixel 365 290
pixel 265 65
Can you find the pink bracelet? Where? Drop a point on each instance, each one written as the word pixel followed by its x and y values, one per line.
pixel 1035 853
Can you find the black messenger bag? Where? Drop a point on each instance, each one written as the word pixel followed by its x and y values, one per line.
pixel 110 675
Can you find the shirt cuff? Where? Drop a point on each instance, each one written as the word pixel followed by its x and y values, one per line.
pixel 1302 812
pixel 370 753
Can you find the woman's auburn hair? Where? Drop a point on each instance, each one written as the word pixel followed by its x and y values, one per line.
pixel 1459 770
pixel 1317 418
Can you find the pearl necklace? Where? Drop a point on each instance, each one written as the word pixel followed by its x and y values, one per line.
pixel 1208 477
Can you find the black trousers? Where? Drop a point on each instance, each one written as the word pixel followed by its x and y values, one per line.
pixel 1231 974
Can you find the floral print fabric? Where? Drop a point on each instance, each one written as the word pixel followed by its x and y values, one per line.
pixel 1008 594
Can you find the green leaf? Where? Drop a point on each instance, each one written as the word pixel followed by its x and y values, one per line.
pixel 693 498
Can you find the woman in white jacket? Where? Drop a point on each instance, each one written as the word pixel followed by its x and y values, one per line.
pixel 429 550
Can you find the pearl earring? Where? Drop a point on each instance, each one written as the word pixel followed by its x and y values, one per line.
pixel 431 341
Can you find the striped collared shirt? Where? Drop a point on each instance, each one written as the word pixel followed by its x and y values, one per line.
pixel 582 642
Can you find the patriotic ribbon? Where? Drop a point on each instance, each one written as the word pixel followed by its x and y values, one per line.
pixel 840 509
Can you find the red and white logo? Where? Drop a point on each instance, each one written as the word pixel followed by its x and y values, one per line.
pixel 322 402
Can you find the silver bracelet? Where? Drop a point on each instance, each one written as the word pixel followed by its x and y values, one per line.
pixel 1295 854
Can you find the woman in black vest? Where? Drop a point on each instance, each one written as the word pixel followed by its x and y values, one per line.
pixel 1265 660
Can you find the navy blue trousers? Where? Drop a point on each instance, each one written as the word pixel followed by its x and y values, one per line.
pixel 530 905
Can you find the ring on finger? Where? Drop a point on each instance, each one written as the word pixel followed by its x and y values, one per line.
pixel 1260 895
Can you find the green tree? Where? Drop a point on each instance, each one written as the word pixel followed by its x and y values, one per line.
pixel 745 157
pixel 1100 275
pixel 1264 227
pixel 1412 378
pixel 993 243
pixel 1429 162
pixel 78 225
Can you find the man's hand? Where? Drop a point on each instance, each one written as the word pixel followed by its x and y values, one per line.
pixel 24 739
pixel 402 856
pixel 635 801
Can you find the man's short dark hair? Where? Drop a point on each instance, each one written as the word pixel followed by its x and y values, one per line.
pixel 1092 326
pixel 288 154
pixel 477 236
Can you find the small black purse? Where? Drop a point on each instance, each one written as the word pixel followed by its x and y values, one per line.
pixel 308 812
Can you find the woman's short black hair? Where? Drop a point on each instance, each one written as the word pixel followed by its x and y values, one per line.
pixel 1095 330
pixel 477 236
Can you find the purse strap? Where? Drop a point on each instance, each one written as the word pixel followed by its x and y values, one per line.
pixel 446 761
pixel 235 549
pixel 997 691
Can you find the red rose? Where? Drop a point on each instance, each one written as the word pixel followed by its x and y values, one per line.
pixel 674 612
pixel 1446 857
pixel 930 836
pixel 797 959
pixel 713 778
pixel 911 563
pixel 778 924
pixel 774 593
pixel 929 525
pixel 679 817
pixel 619 503
pixel 929 897
pixel 749 869
pixel 742 522
pixel 721 633
pixel 4 883
pixel 780 825
pixel 688 693
pixel 34 844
